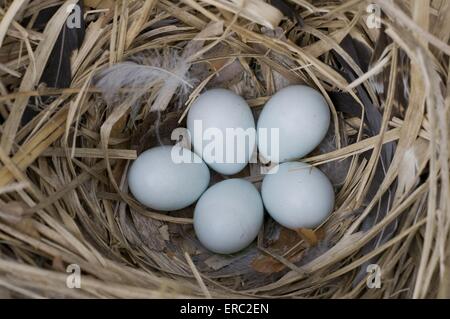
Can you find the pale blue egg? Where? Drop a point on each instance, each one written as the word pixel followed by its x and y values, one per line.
pixel 160 179
pixel 228 216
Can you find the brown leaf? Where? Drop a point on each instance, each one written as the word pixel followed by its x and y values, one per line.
pixel 267 265
pixel 311 236
pixel 286 240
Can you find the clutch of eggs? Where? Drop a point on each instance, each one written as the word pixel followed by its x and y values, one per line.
pixel 229 215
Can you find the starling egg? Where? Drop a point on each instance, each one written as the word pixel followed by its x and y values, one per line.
pixel 228 216
pixel 301 116
pixel 222 130
pixel 168 178
pixel 297 195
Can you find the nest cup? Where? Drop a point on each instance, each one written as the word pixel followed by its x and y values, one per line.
pixel 68 220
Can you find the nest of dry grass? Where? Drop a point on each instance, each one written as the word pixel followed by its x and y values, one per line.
pixel 65 150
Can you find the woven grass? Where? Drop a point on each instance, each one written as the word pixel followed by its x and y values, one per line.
pixel 63 192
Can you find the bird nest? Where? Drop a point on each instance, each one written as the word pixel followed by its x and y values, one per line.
pixel 86 87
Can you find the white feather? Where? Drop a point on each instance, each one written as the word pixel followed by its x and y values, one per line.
pixel 142 77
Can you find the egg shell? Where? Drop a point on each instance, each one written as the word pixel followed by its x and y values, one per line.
pixel 297 195
pixel 302 116
pixel 159 182
pixel 222 109
pixel 228 216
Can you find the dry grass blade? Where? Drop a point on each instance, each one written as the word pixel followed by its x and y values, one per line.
pixel 254 10
pixel 33 74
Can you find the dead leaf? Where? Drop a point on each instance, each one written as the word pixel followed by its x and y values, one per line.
pixel 311 236
pixel 286 240
pixel 267 265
